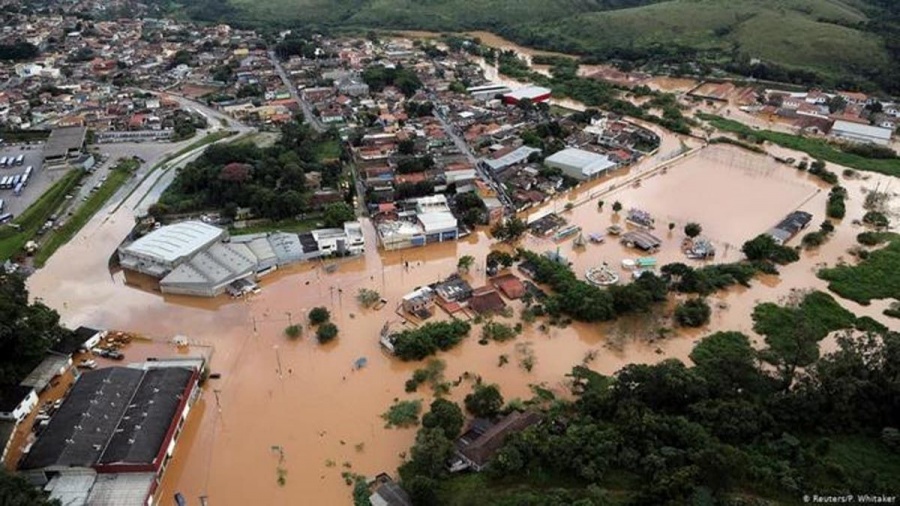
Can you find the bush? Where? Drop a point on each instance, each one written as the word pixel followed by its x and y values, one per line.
pixel 485 401
pixel 293 331
pixel 871 238
pixel 876 219
pixel 326 332
pixel 319 315
pixel 416 344
pixel 763 247
pixel 692 313
pixel 403 414
pixel 367 298
pixel 497 331
pixel 813 239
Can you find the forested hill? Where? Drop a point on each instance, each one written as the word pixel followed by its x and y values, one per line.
pixel 845 43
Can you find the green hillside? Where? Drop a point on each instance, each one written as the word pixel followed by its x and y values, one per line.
pixel 841 41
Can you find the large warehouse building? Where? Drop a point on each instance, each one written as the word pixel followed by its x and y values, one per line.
pixel 580 164
pixel 110 440
pixel 194 258
pixel 855 132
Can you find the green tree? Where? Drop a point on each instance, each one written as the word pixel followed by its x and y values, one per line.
pixel 599 205
pixel 318 315
pixel 485 401
pixel 326 332
pixel 293 331
pixel 692 230
pixel 510 230
pixel 367 297
pixel 16 491
pixel 428 456
pixel 617 206
pixel 465 263
pixel 728 363
pixel 445 415
pixel 28 330
pixel 337 213
pixel 692 313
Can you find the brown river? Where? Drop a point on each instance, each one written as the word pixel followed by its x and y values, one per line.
pixel 308 400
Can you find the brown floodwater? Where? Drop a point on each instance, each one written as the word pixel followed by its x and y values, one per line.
pixel 308 400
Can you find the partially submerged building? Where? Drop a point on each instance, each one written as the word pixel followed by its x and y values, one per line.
pixel 790 226
pixel 194 258
pixel 112 437
pixel 478 445
pixel 580 164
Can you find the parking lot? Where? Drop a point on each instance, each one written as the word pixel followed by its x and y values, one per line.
pixel 39 181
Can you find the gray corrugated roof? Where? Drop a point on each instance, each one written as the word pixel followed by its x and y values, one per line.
pixel 171 242
pixel 112 415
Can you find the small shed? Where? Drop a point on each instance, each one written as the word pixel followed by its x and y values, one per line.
pixel 509 285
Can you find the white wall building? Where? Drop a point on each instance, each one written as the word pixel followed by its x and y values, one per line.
pixel 580 164
pixel 16 402
pixel 855 132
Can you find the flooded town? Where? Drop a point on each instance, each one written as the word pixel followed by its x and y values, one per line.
pixel 247 235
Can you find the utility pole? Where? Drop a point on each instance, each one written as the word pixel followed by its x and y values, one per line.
pixel 278 359
pixel 290 321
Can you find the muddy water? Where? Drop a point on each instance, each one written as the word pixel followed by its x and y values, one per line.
pixel 306 398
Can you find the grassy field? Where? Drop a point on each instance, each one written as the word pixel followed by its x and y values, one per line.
pixel 56 238
pixel 296 226
pixel 817 148
pixel 877 277
pixel 13 239
pixel 330 150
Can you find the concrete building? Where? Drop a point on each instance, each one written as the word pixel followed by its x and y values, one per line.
pixel 855 132
pixel 64 143
pixel 193 258
pixel 162 250
pixel 580 164
pixel 488 91
pixel 133 136
pixel 514 157
pixel 16 402
pixel 111 439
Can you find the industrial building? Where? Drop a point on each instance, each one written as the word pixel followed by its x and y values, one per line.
pixel 856 132
pixel 194 258
pixel 533 93
pixel 111 439
pixel 64 143
pixel 580 164
pixel 488 91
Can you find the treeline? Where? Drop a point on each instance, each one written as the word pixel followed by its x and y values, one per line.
pixel 271 181
pixel 18 51
pixel 741 426
pixel 28 330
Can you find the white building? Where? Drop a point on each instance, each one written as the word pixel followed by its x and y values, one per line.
pixel 340 241
pixel 580 164
pixel 16 402
pixel 855 132
pixel 162 250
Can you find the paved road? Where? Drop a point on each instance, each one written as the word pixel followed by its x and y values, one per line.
pixel 304 105
pixel 479 167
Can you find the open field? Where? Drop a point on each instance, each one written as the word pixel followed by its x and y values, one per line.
pixel 817 148
pixel 721 188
